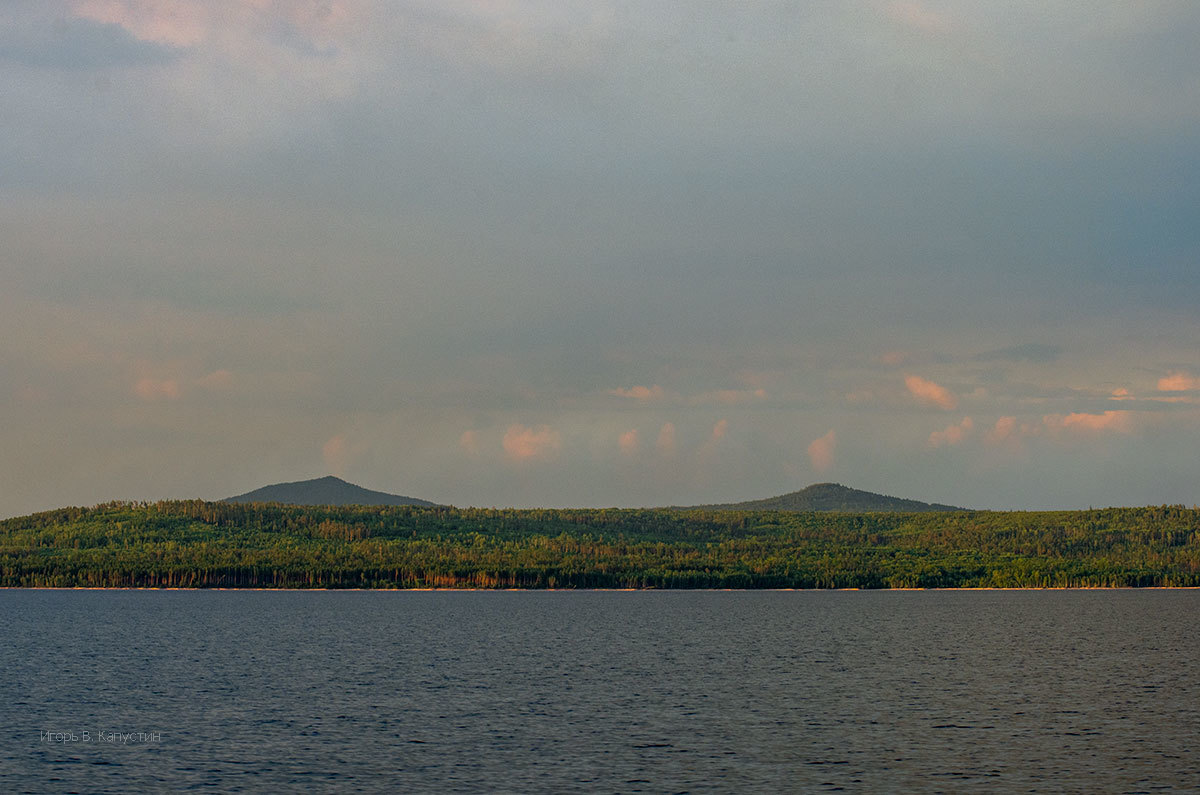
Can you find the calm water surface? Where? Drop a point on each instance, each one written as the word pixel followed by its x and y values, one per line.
pixel 1061 691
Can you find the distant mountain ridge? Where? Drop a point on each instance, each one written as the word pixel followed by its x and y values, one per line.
pixel 328 490
pixel 832 497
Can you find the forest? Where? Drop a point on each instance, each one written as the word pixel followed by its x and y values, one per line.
pixel 197 544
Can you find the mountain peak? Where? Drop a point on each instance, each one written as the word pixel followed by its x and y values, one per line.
pixel 833 497
pixel 327 490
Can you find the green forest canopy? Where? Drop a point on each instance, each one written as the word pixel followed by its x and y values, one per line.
pixel 205 544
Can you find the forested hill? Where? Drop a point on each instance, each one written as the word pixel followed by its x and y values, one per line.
pixel 832 497
pixel 197 544
pixel 324 491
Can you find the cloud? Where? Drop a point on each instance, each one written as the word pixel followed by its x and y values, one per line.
pixel 629 442
pixel 527 444
pixel 179 24
pixel 1172 384
pixel 931 394
pixel 820 451
pixel 894 358
pixel 1009 429
pixel 1004 429
pixel 952 434
pixel 719 430
pixel 665 443
pixel 643 394
pixel 1178 381
pixel 1117 421
pixel 80 44
pixel 186 24
pixel 157 389
pixel 241 69
pixel 1175 399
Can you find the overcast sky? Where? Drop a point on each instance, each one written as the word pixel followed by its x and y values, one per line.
pixel 571 253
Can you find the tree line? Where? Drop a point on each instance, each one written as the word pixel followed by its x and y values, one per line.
pixel 197 544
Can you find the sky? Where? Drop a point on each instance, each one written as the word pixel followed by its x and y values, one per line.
pixel 566 253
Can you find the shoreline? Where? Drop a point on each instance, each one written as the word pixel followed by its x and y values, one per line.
pixel 610 590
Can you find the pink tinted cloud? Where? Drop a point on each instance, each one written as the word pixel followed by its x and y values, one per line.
pixel 629 442
pixel 665 443
pixel 1178 381
pixel 157 389
pixel 528 444
pixel 929 393
pixel 1004 429
pixel 179 24
pixel 719 430
pixel 952 434
pixel 640 393
pixel 1117 421
pixel 821 451
pixel 894 358
pixel 184 23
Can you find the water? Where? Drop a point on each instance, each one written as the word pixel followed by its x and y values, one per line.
pixel 1064 691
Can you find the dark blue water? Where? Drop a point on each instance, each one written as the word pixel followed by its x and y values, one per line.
pixel 259 691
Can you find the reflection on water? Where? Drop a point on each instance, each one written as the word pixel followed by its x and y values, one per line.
pixel 1077 691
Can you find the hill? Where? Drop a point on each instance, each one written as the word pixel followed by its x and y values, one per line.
pixel 832 497
pixel 324 491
